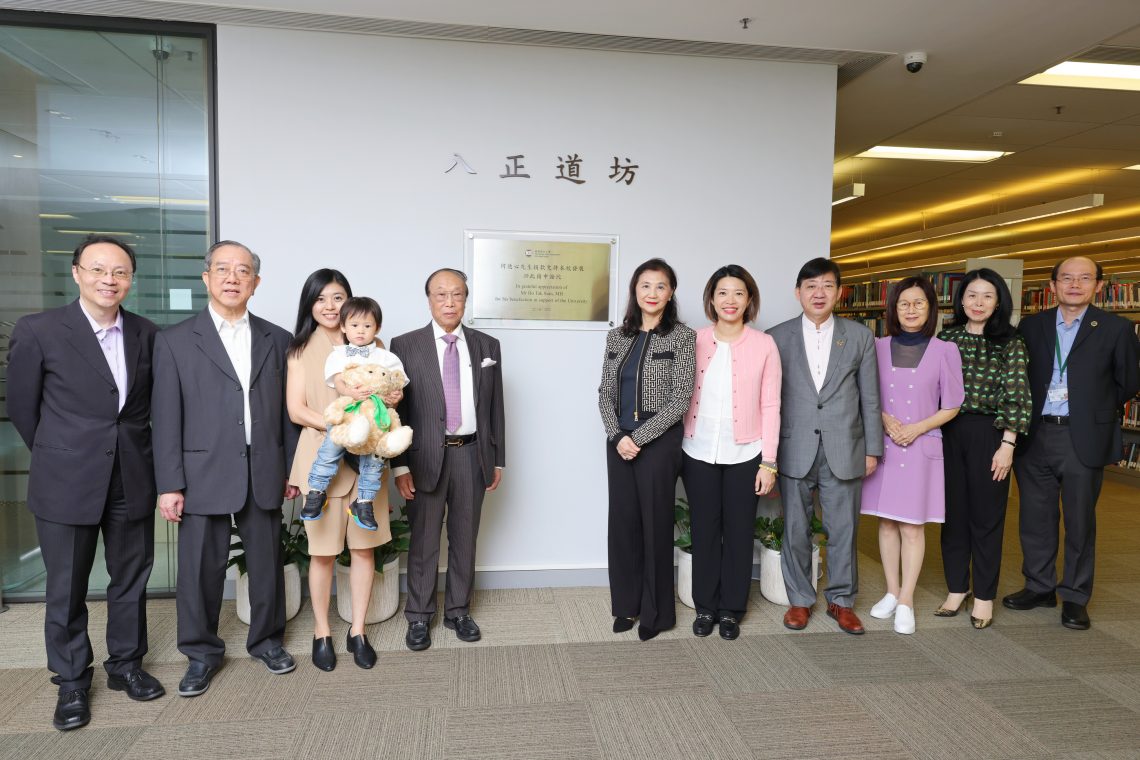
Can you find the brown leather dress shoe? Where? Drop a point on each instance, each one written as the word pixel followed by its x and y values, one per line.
pixel 796 618
pixel 846 617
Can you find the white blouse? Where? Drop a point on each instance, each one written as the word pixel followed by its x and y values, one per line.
pixel 713 440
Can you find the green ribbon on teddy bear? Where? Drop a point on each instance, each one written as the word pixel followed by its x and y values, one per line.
pixel 383 420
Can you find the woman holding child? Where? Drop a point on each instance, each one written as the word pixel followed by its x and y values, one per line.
pixel 317 336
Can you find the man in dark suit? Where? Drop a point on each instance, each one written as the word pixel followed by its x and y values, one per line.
pixel 222 447
pixel 79 383
pixel 1083 366
pixel 455 404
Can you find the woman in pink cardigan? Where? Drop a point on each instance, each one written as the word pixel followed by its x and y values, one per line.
pixel 729 447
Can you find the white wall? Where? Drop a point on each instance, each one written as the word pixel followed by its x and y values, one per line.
pixel 332 150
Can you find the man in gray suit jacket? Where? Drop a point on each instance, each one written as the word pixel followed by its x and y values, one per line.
pixel 831 434
pixel 454 402
pixel 79 381
pixel 222 447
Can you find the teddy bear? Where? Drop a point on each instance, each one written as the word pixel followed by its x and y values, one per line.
pixel 369 427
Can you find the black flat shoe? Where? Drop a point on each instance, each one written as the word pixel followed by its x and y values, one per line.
pixel 729 627
pixel 1075 616
pixel 324 656
pixel 645 634
pixel 71 710
pixel 197 679
pixel 1027 600
pixel 362 652
pixel 277 661
pixel 623 624
pixel 418 637
pixel 703 625
pixel 464 627
pixel 138 684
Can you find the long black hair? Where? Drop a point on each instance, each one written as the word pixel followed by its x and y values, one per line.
pixel 631 324
pixel 997 327
pixel 310 292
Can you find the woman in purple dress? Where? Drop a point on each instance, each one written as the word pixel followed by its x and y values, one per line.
pixel 920 382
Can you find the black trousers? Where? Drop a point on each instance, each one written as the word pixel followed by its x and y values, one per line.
pixel 722 505
pixel 975 505
pixel 1049 470
pixel 459 494
pixel 203 549
pixel 642 494
pixel 69 553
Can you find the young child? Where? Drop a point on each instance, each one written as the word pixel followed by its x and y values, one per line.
pixel 360 322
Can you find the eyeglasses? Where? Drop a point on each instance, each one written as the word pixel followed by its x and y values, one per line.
pixel 916 305
pixel 122 275
pixel 1068 279
pixel 442 297
pixel 223 271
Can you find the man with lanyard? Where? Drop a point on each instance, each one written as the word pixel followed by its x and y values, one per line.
pixel 1083 367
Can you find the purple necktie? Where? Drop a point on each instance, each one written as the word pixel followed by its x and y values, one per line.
pixel 451 395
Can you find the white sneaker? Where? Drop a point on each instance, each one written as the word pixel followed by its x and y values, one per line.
pixel 904 619
pixel 885 607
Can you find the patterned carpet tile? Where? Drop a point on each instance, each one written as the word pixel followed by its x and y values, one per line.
pixel 1076 652
pixel 415 680
pixel 634 669
pixel 243 690
pixel 500 676
pixel 249 740
pixel 871 658
pixel 1120 687
pixel 534 732
pixel 1064 714
pixel 973 655
pixel 88 744
pixel 754 663
pixel 675 723
pixel 365 731
pixel 32 709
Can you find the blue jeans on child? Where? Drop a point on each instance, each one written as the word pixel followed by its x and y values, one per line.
pixel 324 467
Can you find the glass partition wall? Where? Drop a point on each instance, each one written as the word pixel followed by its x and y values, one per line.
pixel 104 127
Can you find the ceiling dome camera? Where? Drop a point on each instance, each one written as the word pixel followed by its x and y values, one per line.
pixel 914 61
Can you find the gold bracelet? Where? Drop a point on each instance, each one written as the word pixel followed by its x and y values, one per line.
pixel 769 468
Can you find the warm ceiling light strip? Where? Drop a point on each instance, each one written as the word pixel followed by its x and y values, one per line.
pixel 932 154
pixel 1017 216
pixel 1097 76
pixel 848 192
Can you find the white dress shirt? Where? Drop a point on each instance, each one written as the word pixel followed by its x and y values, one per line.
pixel 466 382
pixel 111 341
pixel 713 438
pixel 817 344
pixel 236 340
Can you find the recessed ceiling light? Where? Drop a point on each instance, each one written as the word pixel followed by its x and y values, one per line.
pixel 848 192
pixel 1100 76
pixel 1134 168
pixel 932 154
pixel 17 155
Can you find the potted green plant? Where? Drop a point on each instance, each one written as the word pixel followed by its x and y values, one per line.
pixel 385 598
pixel 682 521
pixel 294 556
pixel 769 534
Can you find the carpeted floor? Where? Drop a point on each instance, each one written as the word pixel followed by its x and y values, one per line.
pixel 549 680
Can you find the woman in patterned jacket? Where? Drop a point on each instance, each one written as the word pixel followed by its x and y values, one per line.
pixel 979 442
pixel 647 383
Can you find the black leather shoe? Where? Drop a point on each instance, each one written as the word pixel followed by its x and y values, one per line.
pixel 324 657
pixel 138 684
pixel 277 660
pixel 623 624
pixel 1075 616
pixel 645 634
pixel 1027 600
pixel 362 652
pixel 418 637
pixel 71 710
pixel 703 625
pixel 314 507
pixel 464 627
pixel 196 680
pixel 362 515
pixel 729 627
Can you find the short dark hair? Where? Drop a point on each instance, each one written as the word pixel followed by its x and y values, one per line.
pixel 1057 268
pixel 998 328
pixel 95 239
pixel 631 324
pixel 361 305
pixel 894 327
pixel 740 273
pixel 456 272
pixel 817 268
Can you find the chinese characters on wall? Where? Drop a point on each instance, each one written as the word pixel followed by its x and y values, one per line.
pixel 569 168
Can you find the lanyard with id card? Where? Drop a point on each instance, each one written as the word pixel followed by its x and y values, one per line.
pixel 1059 394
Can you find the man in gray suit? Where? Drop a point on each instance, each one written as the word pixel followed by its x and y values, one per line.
pixel 831 434
pixel 222 447
pixel 455 404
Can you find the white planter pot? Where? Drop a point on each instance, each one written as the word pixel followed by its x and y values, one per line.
pixel 772 575
pixel 292 593
pixel 385 597
pixel 685 578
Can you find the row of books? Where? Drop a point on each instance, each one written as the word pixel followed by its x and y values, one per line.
pixel 871 294
pixel 1130 457
pixel 1132 409
pixel 1115 296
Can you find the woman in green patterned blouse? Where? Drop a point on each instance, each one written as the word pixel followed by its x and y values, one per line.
pixel 978 444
